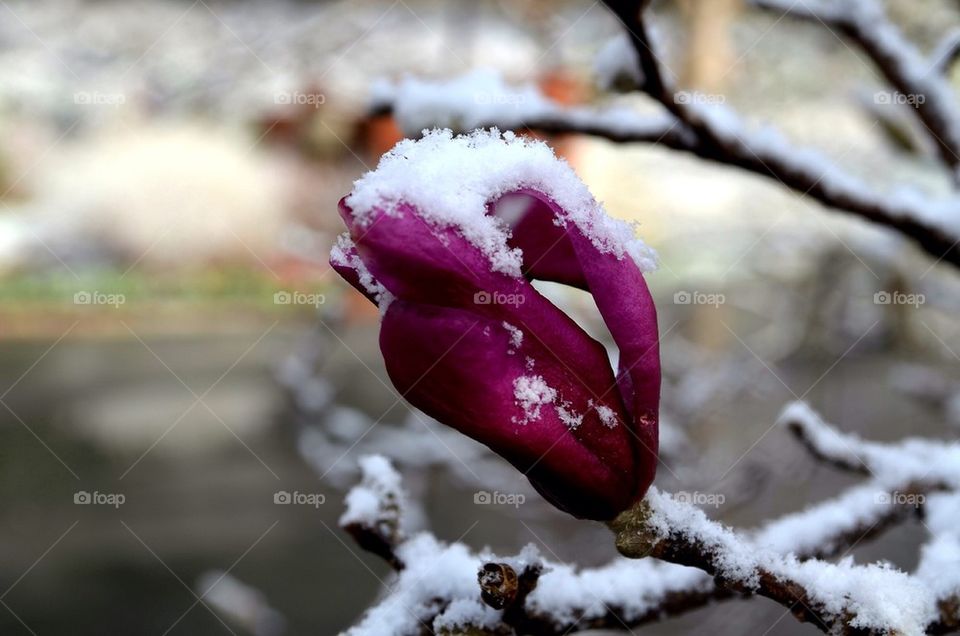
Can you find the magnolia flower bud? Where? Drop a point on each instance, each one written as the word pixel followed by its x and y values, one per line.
pixel 446 236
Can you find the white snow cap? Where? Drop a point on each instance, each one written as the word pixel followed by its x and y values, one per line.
pixel 451 179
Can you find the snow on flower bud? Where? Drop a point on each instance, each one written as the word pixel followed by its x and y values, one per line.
pixel 445 236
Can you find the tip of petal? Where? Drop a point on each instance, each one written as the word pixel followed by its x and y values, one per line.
pixel 347 262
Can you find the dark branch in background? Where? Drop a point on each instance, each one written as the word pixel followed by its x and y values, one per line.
pixel 654 130
pixel 898 61
pixel 945 55
pixel 690 128
pixel 762 562
pixel 378 531
pixel 710 143
pixel 838 191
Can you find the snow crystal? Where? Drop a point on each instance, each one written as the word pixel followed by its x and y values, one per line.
pixel 939 564
pixel 569 417
pixel 872 23
pixel 363 506
pixel 450 180
pixel 516 337
pixel 466 612
pixel 529 556
pixel 380 483
pixel 878 596
pixel 433 571
pixel 607 415
pixel 344 253
pixel 379 470
pixel 531 393
pixel 635 587
pixel 738 560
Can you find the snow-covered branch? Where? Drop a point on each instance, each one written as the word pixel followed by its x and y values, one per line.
pixel 913 459
pixel 841 598
pixel 374 514
pixel 699 561
pixel 939 565
pixel 717 135
pixel 799 560
pixel 909 72
pixel 946 53
pixel 838 598
pixel 482 99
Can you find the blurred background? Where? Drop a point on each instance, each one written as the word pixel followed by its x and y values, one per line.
pixel 176 356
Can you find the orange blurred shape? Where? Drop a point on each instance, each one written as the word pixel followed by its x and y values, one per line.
pixel 567 89
pixel 377 134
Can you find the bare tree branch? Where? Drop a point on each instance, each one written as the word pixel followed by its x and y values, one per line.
pixel 904 474
pixel 775 161
pixel 677 533
pixel 912 75
pixel 374 510
pixel 711 134
pixel 945 54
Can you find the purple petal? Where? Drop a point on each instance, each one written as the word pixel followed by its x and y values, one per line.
pixel 564 254
pixel 467 338
pixel 438 275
